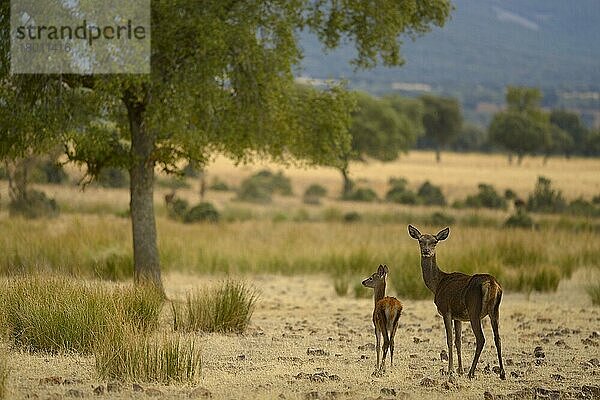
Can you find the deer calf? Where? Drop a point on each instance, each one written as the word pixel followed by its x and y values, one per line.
pixel 460 297
pixel 385 316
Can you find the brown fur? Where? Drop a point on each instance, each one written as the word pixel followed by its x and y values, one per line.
pixel 386 315
pixel 460 297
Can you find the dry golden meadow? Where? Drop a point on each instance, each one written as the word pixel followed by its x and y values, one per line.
pixel 304 341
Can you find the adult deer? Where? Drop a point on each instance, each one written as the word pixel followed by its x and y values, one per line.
pixel 386 315
pixel 460 297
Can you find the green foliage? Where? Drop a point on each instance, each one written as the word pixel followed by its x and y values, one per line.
pixel 124 354
pixel 442 120
pixel 341 284
pixel 177 208
pixel 203 212
pixel 361 194
pixel 259 187
pixel 407 279
pixel 583 207
pixel 219 185
pixel 352 216
pixel 113 177
pixel 593 291
pixel 33 204
pixel 520 219
pixel 60 315
pixel 173 182
pixel 225 308
pixel 486 198
pixel 570 123
pixel 360 291
pixel 114 265
pixel 399 193
pixel 315 190
pixel 431 195
pixel 545 199
pixel 440 219
pixel 48 171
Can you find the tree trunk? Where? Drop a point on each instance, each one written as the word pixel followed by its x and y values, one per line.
pixel 438 154
pixel 347 189
pixel 519 159
pixel 510 158
pixel 145 251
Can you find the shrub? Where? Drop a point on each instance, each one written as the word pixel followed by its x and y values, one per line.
pixel 361 194
pixel 124 354
pixel 51 172
pixel 519 220
pixel 203 212
pixel 441 219
pixel 593 290
pixel 219 185
pixel 341 284
pixel 314 193
pixel 253 191
pixel 352 216
pixel 596 200
pixel 112 177
pixel 114 265
pixel 399 193
pixel 280 184
pixel 362 292
pixel 583 207
pixel 177 209
pixel 486 198
pixel 225 308
pixel 509 194
pixel 172 182
pixel 431 195
pixel 59 315
pixel 546 199
pixel 34 204
pixel 407 280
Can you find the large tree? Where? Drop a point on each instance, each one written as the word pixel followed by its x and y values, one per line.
pixel 523 128
pixel 442 120
pixel 380 129
pixel 221 82
pixel 570 122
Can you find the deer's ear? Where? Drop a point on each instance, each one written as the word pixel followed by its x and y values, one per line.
pixel 414 232
pixel 381 271
pixel 386 269
pixel 443 234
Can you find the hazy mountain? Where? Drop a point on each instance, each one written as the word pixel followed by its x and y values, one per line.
pixel 487 44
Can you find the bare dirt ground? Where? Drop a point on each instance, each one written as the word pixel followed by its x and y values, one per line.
pixel 304 342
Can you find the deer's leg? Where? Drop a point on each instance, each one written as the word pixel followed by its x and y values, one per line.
pixel 494 318
pixel 386 343
pixel 448 326
pixel 377 347
pixel 479 338
pixel 457 343
pixel 392 336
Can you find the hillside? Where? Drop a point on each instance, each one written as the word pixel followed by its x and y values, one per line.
pixel 486 45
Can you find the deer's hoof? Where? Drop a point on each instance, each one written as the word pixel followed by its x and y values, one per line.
pixel 459 371
pixel 472 375
pixel 502 375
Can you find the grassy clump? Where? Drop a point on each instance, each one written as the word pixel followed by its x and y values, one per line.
pixel 114 265
pixel 593 290
pixel 3 371
pixel 203 212
pixel 407 279
pixel 60 315
pixel 399 193
pixel 259 187
pixel 219 185
pixel 124 354
pixel 341 284
pixel 33 204
pixel 364 194
pixel 519 220
pixel 362 292
pixel 225 308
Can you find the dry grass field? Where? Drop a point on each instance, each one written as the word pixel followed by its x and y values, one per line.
pixel 305 341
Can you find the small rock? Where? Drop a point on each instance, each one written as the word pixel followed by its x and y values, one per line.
pixel 592 391
pixel 496 370
pixel 311 396
pixel 200 393
pixel 419 340
pixel 367 347
pixel 52 380
pixel 113 387
pixel 539 352
pixel 316 352
pixel 74 393
pixel 388 392
pixel 488 396
pixel 557 377
pixel 99 390
pixel 444 355
pixel 487 369
pixel 589 342
pixel 413 356
pixel 153 392
pixel 241 357
pixel 137 388
pixel 427 382
pixel 516 374
pixel 595 362
pixel 595 334
pixel 334 378
pixel 509 362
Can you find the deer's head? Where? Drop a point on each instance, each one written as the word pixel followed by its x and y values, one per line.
pixel 377 277
pixel 428 242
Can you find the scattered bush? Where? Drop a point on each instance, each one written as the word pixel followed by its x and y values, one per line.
pixel 362 292
pixel 59 315
pixel 509 194
pixel 341 284
pixel 486 198
pixel 593 290
pixel 519 220
pixel 583 207
pixel 441 219
pixel 34 204
pixel 177 208
pixel 314 193
pixel 545 199
pixel 203 212
pixel 48 171
pixel 254 191
pixel 219 185
pixel 399 193
pixel 595 200
pixel 124 354
pixel 114 265
pixel 352 216
pixel 361 194
pixel 431 195
pixel 225 308
pixel 112 177
pixel 407 279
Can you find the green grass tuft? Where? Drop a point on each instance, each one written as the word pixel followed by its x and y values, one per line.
pixel 225 308
pixel 593 291
pixel 4 371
